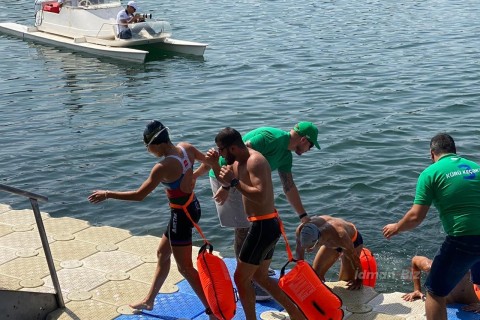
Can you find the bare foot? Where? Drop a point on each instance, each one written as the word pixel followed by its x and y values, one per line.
pixel 473 307
pixel 141 306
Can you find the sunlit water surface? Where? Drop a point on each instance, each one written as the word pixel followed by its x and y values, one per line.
pixel 379 78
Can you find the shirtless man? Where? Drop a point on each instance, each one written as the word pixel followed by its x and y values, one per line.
pixel 335 238
pixel 462 293
pixel 249 173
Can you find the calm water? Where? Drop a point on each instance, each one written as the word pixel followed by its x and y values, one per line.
pixel 378 77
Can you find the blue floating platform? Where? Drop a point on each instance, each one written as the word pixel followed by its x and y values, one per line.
pixel 455 312
pixel 184 304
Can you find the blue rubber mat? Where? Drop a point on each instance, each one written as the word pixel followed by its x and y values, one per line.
pixel 184 304
pixel 455 312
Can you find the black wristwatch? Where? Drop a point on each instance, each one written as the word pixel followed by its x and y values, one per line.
pixel 234 182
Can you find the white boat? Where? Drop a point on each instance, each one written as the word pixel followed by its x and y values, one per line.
pixel 90 26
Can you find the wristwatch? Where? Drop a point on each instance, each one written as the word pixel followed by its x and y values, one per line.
pixel 234 182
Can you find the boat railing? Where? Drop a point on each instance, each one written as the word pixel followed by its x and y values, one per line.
pixel 34 198
pixel 104 30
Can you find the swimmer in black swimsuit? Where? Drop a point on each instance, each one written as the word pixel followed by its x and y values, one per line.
pixel 175 172
pixel 334 238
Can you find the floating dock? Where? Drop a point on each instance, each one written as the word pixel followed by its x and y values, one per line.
pixel 103 269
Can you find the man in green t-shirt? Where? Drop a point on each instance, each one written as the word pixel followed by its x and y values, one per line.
pixel 452 185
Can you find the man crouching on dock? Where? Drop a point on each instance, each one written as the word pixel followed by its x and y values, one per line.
pixel 334 237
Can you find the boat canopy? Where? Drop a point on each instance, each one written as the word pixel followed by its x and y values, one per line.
pixel 86 3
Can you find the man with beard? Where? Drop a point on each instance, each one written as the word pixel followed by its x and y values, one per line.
pixel 276 146
pixel 248 172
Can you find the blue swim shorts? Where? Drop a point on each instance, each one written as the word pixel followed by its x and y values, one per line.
pixel 455 257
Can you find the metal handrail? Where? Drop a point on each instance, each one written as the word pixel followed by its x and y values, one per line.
pixel 43 236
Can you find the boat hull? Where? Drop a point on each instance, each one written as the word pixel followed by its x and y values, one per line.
pixel 155 44
pixel 125 50
pixel 76 44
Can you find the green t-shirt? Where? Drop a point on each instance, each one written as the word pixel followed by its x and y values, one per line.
pixel 272 143
pixel 452 184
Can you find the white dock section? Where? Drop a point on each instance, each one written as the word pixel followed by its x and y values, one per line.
pixel 103 269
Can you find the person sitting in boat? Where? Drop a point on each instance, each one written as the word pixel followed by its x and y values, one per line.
pixel 463 292
pixel 335 238
pixel 127 16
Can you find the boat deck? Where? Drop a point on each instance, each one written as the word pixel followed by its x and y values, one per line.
pixel 103 269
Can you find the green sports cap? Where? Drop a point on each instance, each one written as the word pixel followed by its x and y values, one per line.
pixel 309 131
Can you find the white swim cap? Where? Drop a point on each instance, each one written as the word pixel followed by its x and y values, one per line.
pixel 309 235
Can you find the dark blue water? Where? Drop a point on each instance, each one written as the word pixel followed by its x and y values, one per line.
pixel 379 78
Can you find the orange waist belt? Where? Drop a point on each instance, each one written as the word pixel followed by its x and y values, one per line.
pixel 183 206
pixel 282 229
pixel 264 217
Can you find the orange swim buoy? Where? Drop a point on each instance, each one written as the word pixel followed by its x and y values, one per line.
pixel 310 294
pixel 369 268
pixel 216 283
pixel 476 287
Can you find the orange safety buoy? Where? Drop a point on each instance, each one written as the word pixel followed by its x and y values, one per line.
pixel 476 287
pixel 369 268
pixel 313 297
pixel 216 283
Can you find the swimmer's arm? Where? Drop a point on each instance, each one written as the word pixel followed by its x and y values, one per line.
pixel 410 220
pixel 349 251
pixel 212 161
pixel 354 259
pixel 419 264
pixel 299 251
pixel 141 193
pixel 259 173
pixel 198 156
pixel 255 192
pixel 201 170
pixel 351 255
pixel 416 276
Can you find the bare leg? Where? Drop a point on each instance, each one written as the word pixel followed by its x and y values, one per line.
pixel 463 292
pixel 183 257
pixel 271 286
pixel 164 253
pixel 240 235
pixel 473 307
pixel 435 307
pixel 324 260
pixel 243 279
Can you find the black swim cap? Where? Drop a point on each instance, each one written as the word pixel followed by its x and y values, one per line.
pixel 152 128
